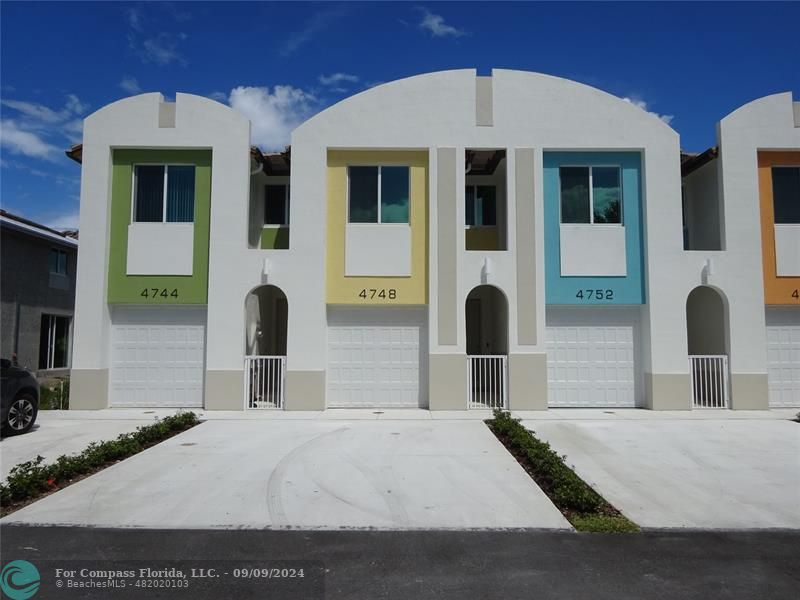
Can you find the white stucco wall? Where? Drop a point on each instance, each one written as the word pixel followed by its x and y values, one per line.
pixel 593 250
pixel 703 207
pixel 160 248
pixel 787 250
pixel 530 110
pixel 377 249
pixel 134 123
pixel 764 124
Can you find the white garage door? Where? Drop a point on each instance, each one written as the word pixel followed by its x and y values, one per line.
pixel 592 357
pixel 374 357
pixel 157 356
pixel 783 356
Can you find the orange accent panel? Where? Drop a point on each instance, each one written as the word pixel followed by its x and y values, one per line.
pixel 777 290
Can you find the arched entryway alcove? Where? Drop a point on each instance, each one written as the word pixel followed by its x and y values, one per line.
pixel 266 318
pixel 486 312
pixel 707 337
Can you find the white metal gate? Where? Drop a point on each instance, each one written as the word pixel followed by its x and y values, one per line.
pixel 264 381
pixel 487 381
pixel 709 375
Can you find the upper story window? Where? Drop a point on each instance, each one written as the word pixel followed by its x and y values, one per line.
pixel 378 194
pixel 276 204
pixel 591 195
pixel 163 194
pixel 786 195
pixel 481 208
pixel 58 261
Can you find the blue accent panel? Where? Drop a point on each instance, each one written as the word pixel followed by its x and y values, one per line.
pixel 624 290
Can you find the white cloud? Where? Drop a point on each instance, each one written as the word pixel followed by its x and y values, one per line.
pixel 41 122
pixel 134 18
pixel 219 96
pixel 130 85
pixel 160 48
pixel 317 23
pixel 26 143
pixel 337 79
pixel 67 220
pixel 273 115
pixel 73 130
pixel 435 25
pixel 638 102
pixel 38 112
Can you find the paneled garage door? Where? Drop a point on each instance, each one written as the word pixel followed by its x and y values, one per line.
pixel 592 357
pixel 783 356
pixel 157 356
pixel 374 357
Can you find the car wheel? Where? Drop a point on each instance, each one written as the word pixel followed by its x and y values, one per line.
pixel 21 414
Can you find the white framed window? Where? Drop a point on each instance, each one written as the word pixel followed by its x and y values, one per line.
pixel 591 195
pixel 378 194
pixel 58 261
pixel 276 204
pixel 786 195
pixel 163 193
pixel 54 342
pixel 481 205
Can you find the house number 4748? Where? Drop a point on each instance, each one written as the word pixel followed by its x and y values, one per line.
pixel 383 294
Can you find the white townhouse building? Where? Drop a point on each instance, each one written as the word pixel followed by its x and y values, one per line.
pixel 447 241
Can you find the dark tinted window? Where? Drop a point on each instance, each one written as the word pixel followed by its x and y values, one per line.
pixel 363 195
pixel 786 194
pixel 149 204
pixel 276 206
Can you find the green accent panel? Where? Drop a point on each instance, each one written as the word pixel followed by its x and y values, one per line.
pixel 127 289
pixel 275 238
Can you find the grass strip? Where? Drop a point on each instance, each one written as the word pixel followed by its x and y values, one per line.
pixel 31 480
pixel 582 506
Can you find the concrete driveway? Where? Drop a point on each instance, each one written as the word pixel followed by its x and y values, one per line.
pixel 313 474
pixel 59 432
pixel 712 471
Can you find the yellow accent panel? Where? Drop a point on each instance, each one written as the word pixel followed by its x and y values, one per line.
pixel 482 238
pixel 777 290
pixel 408 290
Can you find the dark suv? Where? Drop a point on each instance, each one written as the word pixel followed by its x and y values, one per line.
pixel 19 397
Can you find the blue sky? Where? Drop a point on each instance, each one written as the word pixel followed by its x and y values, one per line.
pixel 279 63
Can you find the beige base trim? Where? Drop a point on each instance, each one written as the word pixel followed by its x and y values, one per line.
pixel 224 390
pixel 668 391
pixel 447 382
pixel 527 381
pixel 749 391
pixel 305 390
pixel 88 389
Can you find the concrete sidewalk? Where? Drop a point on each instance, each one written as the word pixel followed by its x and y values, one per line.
pixel 721 473
pixel 420 414
pixel 310 474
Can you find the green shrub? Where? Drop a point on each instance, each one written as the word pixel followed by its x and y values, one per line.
pixel 602 524
pixel 54 394
pixel 30 479
pixel 568 491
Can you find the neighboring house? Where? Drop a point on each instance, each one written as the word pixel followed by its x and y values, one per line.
pixel 446 241
pixel 742 207
pixel 37 270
